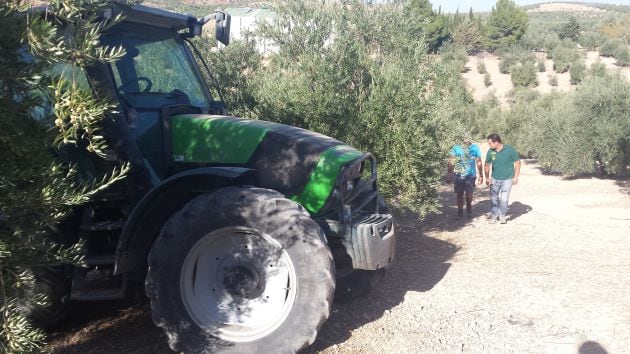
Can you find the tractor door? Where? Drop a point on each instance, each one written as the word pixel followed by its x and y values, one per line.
pixel 156 72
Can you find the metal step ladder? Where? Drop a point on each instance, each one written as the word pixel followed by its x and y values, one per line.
pixel 100 229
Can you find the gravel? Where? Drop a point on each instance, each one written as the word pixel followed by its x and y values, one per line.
pixel 554 279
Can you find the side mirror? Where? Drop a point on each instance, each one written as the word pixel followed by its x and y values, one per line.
pixel 222 27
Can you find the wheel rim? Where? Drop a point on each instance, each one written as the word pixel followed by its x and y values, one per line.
pixel 238 284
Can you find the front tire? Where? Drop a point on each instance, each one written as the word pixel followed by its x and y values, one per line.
pixel 242 269
pixel 53 283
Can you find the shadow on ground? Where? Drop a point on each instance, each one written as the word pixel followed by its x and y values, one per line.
pixel 590 347
pixel 109 327
pixel 421 263
pixel 624 185
pixel 447 220
pixel 126 326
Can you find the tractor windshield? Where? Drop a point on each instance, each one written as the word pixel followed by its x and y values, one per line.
pixel 156 70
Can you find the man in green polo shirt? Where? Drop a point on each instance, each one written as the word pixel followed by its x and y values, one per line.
pixel 506 166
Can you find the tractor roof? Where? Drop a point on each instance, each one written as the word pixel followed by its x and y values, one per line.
pixel 157 17
pixel 146 15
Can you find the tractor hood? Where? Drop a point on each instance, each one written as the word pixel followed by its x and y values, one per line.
pixel 298 163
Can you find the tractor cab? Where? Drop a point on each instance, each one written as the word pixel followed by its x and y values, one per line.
pixel 157 75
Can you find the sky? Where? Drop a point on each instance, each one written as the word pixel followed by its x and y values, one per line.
pixel 486 5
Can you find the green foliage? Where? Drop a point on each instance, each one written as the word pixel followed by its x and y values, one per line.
pixel 454 56
pixel 591 40
pixel 524 75
pixel 622 55
pixel 486 79
pixel 603 103
pixel 468 36
pixel 39 185
pixel 576 133
pixel 512 56
pixel 598 69
pixel 617 28
pixel 428 24
pixel 570 30
pixel 535 39
pixel 507 24
pixel 481 68
pixel 506 63
pixel 373 86
pixel 577 72
pixel 233 66
pixel 563 55
pixel 551 44
pixel 610 47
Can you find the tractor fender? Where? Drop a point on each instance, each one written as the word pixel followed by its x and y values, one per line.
pixel 145 221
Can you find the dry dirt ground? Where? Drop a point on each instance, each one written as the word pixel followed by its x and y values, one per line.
pixel 554 279
pixel 502 83
pixel 565 7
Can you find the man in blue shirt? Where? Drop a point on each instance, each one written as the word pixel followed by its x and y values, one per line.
pixel 463 165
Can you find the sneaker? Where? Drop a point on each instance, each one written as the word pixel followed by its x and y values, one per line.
pixel 469 214
pixel 493 220
pixel 503 219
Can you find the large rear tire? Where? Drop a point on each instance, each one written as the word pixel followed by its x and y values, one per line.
pixel 55 285
pixel 242 269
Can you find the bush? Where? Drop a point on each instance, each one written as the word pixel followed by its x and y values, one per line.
pixel 577 133
pixel 513 55
pixel 563 56
pixel 524 75
pixel 534 39
pixel 541 66
pixel 454 56
pixel 481 68
pixel 486 79
pixel 505 64
pixel 244 60
pixel 598 69
pixel 551 44
pixel 610 47
pixel 623 56
pixel 577 72
pixel 553 80
pixel 591 40
pixel 603 104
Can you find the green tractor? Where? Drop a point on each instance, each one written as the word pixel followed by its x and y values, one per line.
pixel 240 229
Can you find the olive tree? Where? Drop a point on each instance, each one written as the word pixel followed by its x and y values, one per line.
pixel 350 72
pixel 45 113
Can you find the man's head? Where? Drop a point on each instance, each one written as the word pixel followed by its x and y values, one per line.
pixel 494 140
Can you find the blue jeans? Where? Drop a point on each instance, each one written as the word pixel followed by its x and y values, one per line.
pixel 499 196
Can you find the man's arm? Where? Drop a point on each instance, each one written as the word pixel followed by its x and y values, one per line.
pixel 480 170
pixel 486 169
pixel 517 171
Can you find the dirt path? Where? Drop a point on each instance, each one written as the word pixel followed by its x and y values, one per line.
pixel 553 280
